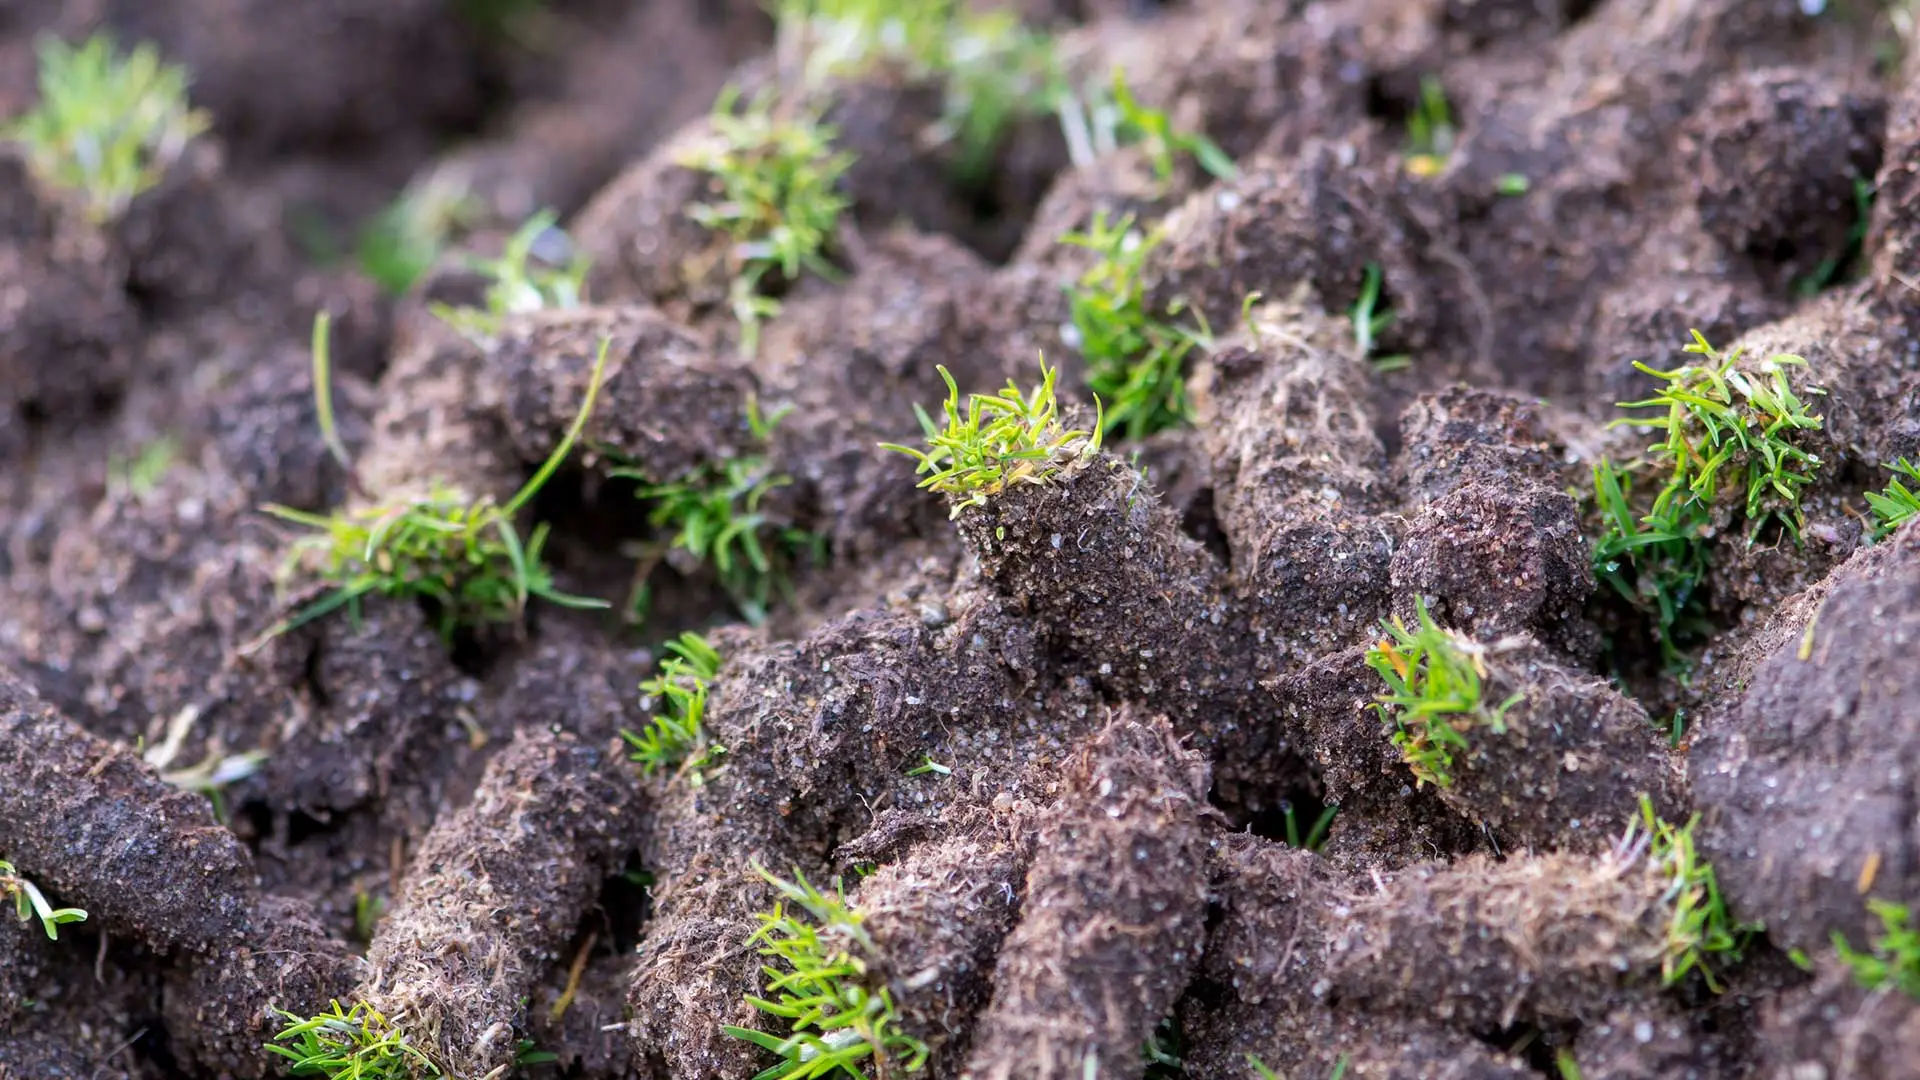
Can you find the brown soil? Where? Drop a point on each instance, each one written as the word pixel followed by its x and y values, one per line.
pixel 1054 746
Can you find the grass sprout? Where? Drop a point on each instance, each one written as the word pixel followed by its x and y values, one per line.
pixel 1371 317
pixel 1101 120
pixel 1897 504
pixel 30 903
pixel 998 441
pixel 460 552
pixel 1434 694
pixel 1892 957
pixel 1700 927
pixel 779 200
pixel 1135 360
pixel 401 243
pixel 993 69
pixel 1655 561
pixel 677 734
pixel 350 1044
pixel 538 269
pixel 716 519
pixel 137 476
pixel 1430 131
pixel 817 980
pixel 108 125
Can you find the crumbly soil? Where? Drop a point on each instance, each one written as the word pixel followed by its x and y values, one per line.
pixel 1055 746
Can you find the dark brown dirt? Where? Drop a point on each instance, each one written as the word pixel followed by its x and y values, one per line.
pixel 1054 746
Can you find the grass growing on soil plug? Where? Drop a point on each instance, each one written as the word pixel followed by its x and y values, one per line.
pixel 1135 360
pixel 1370 319
pixel 1892 956
pixel 462 553
pixel 1000 440
pixel 107 125
pixel 30 903
pixel 1724 426
pixel 539 269
pixel 1898 503
pixel 778 179
pixel 1700 927
pixel 715 516
pixel 817 980
pixel 1430 130
pixel 1434 694
pixel 993 70
pixel 677 734
pixel 350 1044
pixel 1102 120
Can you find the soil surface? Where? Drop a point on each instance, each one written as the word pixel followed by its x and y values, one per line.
pixel 1065 751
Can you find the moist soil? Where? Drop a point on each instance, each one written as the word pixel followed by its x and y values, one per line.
pixel 1065 749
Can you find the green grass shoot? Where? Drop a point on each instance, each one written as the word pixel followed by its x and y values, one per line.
pixel 108 125
pixel 677 734
pixel 522 279
pixel 817 980
pixel 1135 360
pixel 349 1044
pixel 30 903
pixel 1102 120
pixel 462 553
pixel 1430 131
pixel 1892 957
pixel 398 245
pixel 1371 317
pixel 1897 504
pixel 1700 931
pixel 998 441
pixel 1434 694
pixel 1656 561
pixel 779 201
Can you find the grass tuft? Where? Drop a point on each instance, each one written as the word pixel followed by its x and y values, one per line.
pixel 1892 957
pixel 1430 130
pixel 1435 694
pixel 107 125
pixel 1000 440
pixel 779 200
pixel 1700 927
pixel 1897 504
pixel 1371 317
pixel 30 903
pixel 1727 435
pixel 522 278
pixel 401 242
pixel 462 553
pixel 677 734
pixel 350 1044
pixel 1135 360
pixel 715 516
pixel 817 980
pixel 1102 120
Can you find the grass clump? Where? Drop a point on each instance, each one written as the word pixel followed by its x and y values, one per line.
pixel 1434 694
pixel 1000 440
pixel 993 70
pixel 462 553
pixel 522 278
pixel 1725 427
pixel 1700 928
pixel 349 1044
pixel 1897 504
pixel 817 981
pixel 716 519
pixel 1430 130
pixel 677 734
pixel 780 205
pixel 30 903
pixel 1892 957
pixel 108 125
pixel 1135 360
pixel 1102 120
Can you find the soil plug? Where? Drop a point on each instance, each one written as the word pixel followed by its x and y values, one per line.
pixel 1079 541
pixel 1544 756
pixel 494 893
pixel 1283 407
pixel 937 931
pixel 1113 916
pixel 170 877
